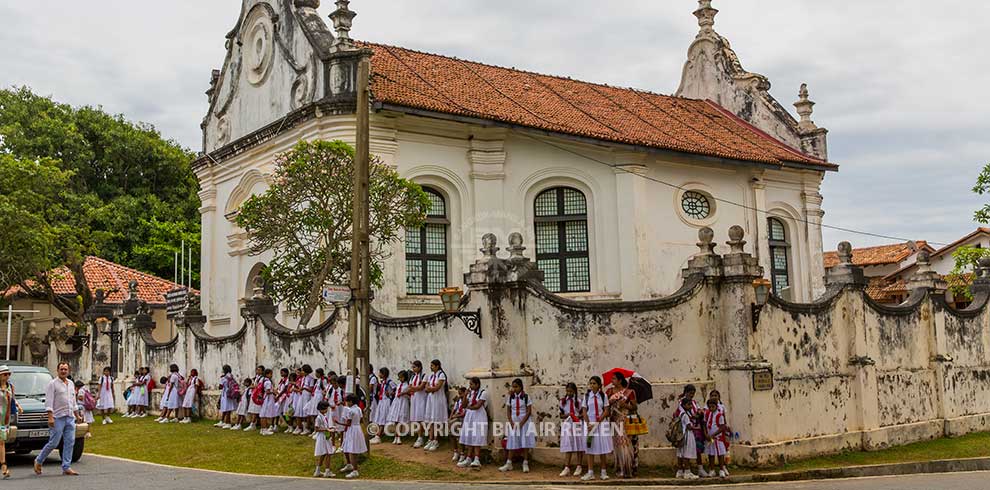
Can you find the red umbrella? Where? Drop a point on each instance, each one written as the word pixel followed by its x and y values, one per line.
pixel 636 381
pixel 608 375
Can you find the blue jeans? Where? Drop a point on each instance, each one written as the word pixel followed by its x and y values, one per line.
pixel 65 429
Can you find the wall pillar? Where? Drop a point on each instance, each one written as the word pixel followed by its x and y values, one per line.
pixel 631 197
pixel 487 158
pixel 813 215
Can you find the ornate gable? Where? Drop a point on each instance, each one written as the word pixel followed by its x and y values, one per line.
pixel 274 65
pixel 713 71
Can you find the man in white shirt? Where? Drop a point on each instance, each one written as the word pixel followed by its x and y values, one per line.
pixel 63 413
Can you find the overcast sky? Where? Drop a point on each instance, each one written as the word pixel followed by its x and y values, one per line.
pixel 900 84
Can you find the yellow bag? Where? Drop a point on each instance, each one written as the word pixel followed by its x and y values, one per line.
pixel 636 426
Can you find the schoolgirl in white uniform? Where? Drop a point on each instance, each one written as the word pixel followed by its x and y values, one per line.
pixel 170 397
pixel 354 443
pixel 308 387
pixel 132 397
pixel 398 414
pixel 253 408
pixel 319 393
pixel 81 392
pixel 242 406
pixel 383 402
pixel 192 393
pixel 688 451
pixel 295 400
pixel 436 414
pixel 717 432
pixel 596 417
pixel 144 393
pixel 573 440
pixel 228 400
pixel 474 430
pixel 105 399
pixel 521 433
pixel 417 405
pixel 269 409
pixel 338 409
pixel 373 386
pixel 282 394
pixel 324 428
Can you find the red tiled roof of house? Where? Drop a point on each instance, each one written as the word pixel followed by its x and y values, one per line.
pixel 441 84
pixel 113 279
pixel 881 255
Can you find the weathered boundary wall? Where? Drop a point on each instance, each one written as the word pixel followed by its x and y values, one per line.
pixel 847 373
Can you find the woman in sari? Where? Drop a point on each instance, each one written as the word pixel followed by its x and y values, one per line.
pixel 8 403
pixel 622 399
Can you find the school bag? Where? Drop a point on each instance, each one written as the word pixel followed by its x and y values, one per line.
pixel 151 384
pixel 234 389
pixel 675 433
pixel 89 403
pixel 183 386
pixel 258 394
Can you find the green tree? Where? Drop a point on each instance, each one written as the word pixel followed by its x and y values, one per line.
pixel 961 276
pixel 305 218
pixel 121 187
pixel 982 187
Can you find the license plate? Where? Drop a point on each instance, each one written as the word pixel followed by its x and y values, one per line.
pixel 38 434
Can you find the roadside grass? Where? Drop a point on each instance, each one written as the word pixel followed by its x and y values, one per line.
pixel 200 445
pixel 974 445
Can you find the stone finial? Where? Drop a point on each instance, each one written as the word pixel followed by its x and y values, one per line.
pixel 983 267
pixel 258 287
pixel 805 107
pixel 516 247
pixel 706 17
pixel 313 4
pixel 343 19
pixel 100 296
pixel 489 244
pixel 924 276
pixel 706 241
pixel 736 242
pixel 845 250
pixel 132 289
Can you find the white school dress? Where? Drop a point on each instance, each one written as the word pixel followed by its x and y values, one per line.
pixel 143 393
pixel 244 404
pixel 254 408
pixel 354 442
pixel 337 407
pixel 436 402
pixel 282 395
pixel 474 429
pixel 373 386
pixel 134 399
pixel 190 398
pixel 172 390
pixel 294 398
pixel 398 413
pixel 417 405
pixel 227 404
pixel 600 434
pixel 269 409
pixel 688 450
pixel 523 437
pixel 383 402
pixel 572 436
pixel 718 444
pixel 323 445
pixel 105 400
pixel 319 388
pixel 302 403
pixel 87 414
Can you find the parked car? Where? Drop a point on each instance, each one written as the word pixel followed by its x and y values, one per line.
pixel 31 433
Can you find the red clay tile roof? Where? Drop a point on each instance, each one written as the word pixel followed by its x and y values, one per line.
pixel 881 255
pixel 440 84
pixel 113 279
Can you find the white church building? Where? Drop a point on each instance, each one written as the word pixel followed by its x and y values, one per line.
pixel 609 186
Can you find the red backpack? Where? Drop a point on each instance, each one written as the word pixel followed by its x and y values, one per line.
pixel 89 403
pixel 151 384
pixel 258 394
pixel 183 386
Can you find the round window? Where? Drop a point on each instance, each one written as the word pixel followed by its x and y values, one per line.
pixel 696 205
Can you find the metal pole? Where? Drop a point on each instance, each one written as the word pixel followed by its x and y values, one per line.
pixel 175 268
pixel 190 267
pixel 182 263
pixel 10 317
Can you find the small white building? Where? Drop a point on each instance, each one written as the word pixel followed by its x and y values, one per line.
pixel 608 185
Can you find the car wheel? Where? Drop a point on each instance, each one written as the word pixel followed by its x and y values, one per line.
pixel 77 450
pixel 22 451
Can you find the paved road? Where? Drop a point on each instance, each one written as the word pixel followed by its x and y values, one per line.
pixel 111 474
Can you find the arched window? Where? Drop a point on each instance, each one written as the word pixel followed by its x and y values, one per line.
pixel 779 267
pixel 426 250
pixel 561 216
